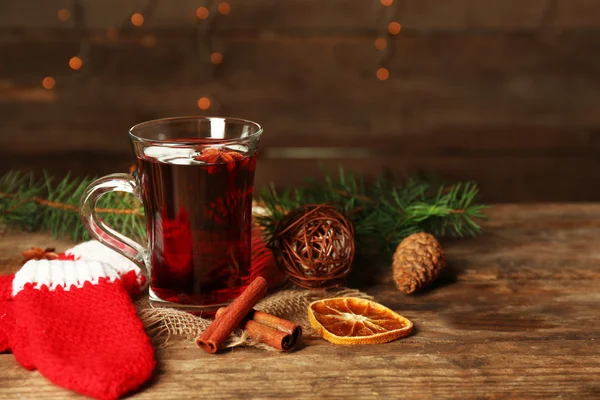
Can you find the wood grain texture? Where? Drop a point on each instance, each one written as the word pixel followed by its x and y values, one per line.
pixel 475 88
pixel 514 316
pixel 313 87
pixel 468 106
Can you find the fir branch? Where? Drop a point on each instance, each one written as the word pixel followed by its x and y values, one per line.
pixel 42 205
pixel 383 212
pixel 386 211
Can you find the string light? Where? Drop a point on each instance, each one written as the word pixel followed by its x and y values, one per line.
pixel 137 19
pixel 224 8
pixel 216 58
pixel 394 28
pixel 48 82
pixel 204 103
pixel 383 74
pixel 202 13
pixel 63 15
pixel 380 43
pixel 75 63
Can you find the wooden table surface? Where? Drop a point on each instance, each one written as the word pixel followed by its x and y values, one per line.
pixel 517 316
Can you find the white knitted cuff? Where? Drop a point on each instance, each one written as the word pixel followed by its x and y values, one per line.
pixel 65 274
pixel 94 250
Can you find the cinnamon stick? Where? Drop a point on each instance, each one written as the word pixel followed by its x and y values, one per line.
pixel 279 340
pixel 269 329
pixel 220 329
pixel 277 323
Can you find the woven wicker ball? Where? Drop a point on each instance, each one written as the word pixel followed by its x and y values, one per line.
pixel 314 244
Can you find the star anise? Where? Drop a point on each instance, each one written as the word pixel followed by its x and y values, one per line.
pixel 214 156
pixel 37 253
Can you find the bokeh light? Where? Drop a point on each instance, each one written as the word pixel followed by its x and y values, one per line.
pixel 380 43
pixel 75 63
pixel 204 103
pixel 148 41
pixel 63 15
pixel 137 19
pixel 112 33
pixel 394 28
pixel 202 13
pixel 224 8
pixel 216 58
pixel 48 82
pixel 383 74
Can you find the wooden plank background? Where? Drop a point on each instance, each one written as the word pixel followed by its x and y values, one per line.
pixel 504 92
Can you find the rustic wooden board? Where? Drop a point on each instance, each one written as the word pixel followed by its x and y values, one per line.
pixel 504 109
pixel 312 87
pixel 515 316
pixel 504 92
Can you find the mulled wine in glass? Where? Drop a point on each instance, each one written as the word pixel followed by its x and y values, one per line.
pixel 195 178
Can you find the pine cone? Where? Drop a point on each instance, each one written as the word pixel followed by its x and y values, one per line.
pixel 418 261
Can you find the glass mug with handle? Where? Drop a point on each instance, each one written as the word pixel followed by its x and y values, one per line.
pixel 195 178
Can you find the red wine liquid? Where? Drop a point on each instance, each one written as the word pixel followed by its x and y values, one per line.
pixel 199 226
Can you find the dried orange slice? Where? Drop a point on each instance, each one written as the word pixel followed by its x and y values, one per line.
pixel 350 320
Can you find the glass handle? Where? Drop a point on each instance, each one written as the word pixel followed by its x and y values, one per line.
pixel 104 233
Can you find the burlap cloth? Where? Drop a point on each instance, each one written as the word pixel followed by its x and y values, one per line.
pixel 289 303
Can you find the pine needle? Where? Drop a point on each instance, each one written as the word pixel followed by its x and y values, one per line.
pixel 383 213
pixel 387 211
pixel 31 205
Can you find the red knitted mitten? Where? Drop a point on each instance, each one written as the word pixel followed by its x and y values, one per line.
pixel 76 324
pixel 7 320
pixel 131 276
